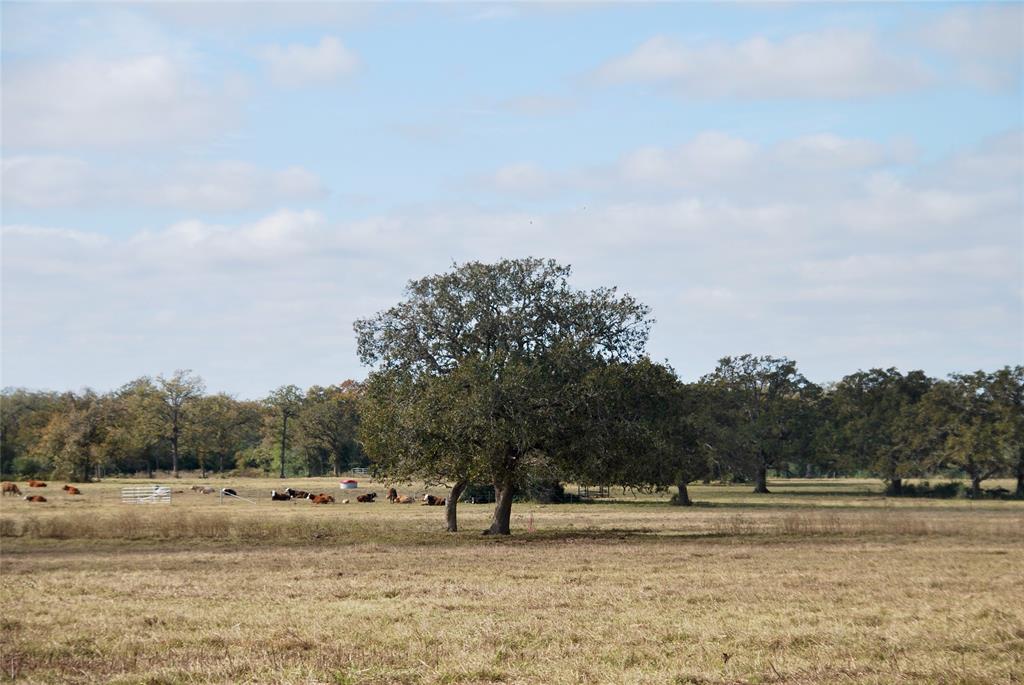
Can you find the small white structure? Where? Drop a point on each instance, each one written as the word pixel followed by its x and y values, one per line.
pixel 146 494
pixel 349 484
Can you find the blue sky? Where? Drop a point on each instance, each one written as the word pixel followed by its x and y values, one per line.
pixel 226 186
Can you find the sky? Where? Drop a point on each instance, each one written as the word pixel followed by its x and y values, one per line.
pixel 226 187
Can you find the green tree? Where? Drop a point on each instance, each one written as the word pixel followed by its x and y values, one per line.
pixel 509 344
pixel 642 409
pixel 1008 395
pixel 284 403
pixel 877 430
pixel 327 426
pixel 24 414
pixel 965 417
pixel 763 413
pixel 74 437
pixel 221 427
pixel 177 392
pixel 137 430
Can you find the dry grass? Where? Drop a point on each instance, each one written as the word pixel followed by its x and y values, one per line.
pixel 820 583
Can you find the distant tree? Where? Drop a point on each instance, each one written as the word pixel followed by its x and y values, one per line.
pixel 964 413
pixel 137 431
pixel 327 425
pixel 23 416
pixel 219 427
pixel 643 410
pixel 763 412
pixel 177 392
pixel 1007 387
pixel 74 437
pixel 284 403
pixel 877 430
pixel 484 365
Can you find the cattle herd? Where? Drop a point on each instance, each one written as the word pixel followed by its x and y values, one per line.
pixel 12 489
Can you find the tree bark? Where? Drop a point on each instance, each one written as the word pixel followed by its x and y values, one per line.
pixel 451 507
pixel 502 519
pixel 683 498
pixel 284 437
pixel 1020 477
pixel 975 487
pixel 896 487
pixel 175 430
pixel 761 485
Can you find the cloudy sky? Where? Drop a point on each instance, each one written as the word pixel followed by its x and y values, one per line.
pixel 226 187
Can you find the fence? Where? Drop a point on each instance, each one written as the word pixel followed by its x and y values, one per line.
pixel 148 494
pixel 360 472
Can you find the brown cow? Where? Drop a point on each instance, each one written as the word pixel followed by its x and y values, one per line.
pixel 323 499
pixel 431 501
pixel 71 490
pixel 11 488
pixel 35 498
pixel 392 495
pixel 368 497
pixel 36 484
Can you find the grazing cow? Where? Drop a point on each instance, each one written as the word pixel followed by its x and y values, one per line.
pixel 279 497
pixel 323 499
pixel 230 491
pixel 392 495
pixel 299 494
pixel 71 490
pixel 431 501
pixel 11 488
pixel 35 498
pixel 36 484
pixel 368 497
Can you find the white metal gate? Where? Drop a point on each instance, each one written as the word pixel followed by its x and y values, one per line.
pixel 146 494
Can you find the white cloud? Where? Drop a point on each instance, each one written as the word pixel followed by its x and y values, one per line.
pixel 717 164
pixel 987 42
pixel 524 178
pixel 196 244
pixel 86 101
pixel 54 181
pixel 827 64
pixel 300 65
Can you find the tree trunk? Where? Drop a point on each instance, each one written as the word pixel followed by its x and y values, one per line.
pixel 761 486
pixel 1020 477
pixel 975 487
pixel 896 487
pixel 501 521
pixel 174 452
pixel 451 507
pixel 683 498
pixel 284 437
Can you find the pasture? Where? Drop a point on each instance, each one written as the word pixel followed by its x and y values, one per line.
pixel 820 582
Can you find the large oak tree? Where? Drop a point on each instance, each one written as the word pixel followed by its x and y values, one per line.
pixel 487 372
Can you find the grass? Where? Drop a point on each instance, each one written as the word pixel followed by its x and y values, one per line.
pixel 821 582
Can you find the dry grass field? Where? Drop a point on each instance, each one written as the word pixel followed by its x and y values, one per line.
pixel 821 582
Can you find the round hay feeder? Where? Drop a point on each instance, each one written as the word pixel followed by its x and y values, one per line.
pixel 349 484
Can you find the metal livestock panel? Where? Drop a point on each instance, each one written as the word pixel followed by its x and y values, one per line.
pixel 147 494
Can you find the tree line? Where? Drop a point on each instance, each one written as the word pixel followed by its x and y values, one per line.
pixel 172 424
pixel 505 375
